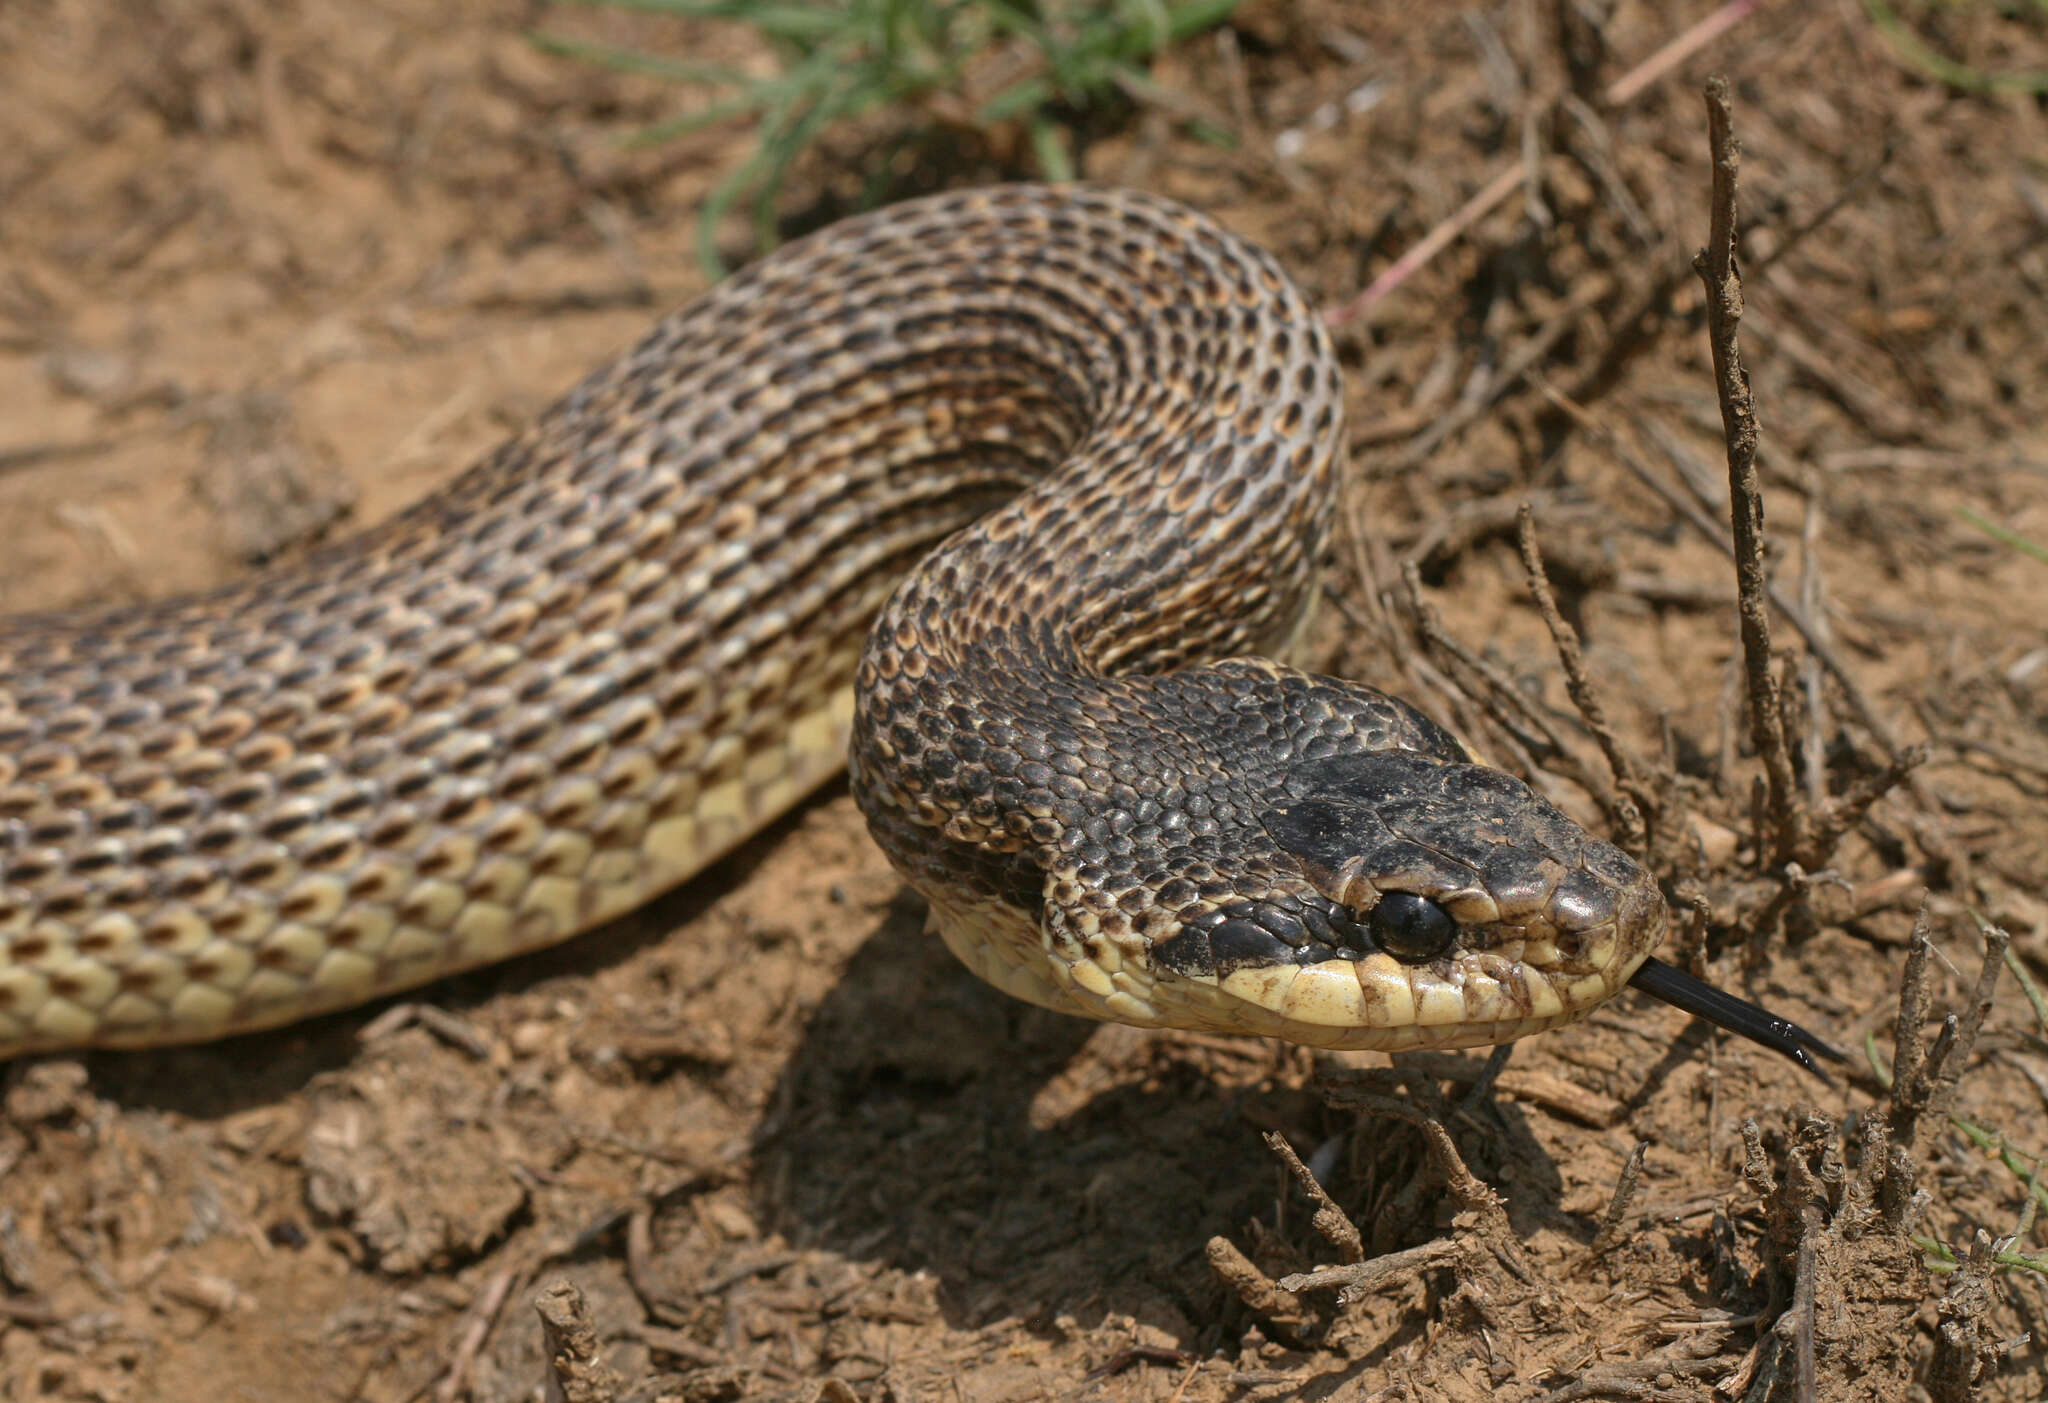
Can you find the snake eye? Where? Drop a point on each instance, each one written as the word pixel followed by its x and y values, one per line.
pixel 1412 928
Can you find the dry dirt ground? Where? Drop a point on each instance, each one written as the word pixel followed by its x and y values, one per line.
pixel 267 270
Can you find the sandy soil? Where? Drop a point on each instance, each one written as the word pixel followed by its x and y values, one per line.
pixel 270 270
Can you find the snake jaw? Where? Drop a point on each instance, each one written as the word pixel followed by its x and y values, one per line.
pixel 1521 972
pixel 1516 984
pixel 1550 922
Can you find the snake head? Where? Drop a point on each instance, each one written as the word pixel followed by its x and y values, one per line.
pixel 1449 906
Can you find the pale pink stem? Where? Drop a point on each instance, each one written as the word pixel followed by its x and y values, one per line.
pixel 1621 90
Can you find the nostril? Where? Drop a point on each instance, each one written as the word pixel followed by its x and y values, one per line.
pixel 1582 902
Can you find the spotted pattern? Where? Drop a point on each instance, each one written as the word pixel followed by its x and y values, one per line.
pixel 629 638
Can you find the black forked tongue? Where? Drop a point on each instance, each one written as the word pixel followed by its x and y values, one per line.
pixel 1739 1016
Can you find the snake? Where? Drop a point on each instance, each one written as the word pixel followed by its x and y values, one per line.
pixel 1014 502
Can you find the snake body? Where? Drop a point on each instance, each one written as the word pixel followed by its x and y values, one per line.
pixel 1010 487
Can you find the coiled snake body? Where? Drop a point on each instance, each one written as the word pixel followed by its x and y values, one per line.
pixel 630 637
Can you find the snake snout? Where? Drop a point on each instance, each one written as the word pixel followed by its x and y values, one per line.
pixel 1477 842
pixel 1477 911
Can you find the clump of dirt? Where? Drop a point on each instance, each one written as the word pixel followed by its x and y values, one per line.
pixel 269 271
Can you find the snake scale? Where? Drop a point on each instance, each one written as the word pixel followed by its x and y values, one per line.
pixel 1013 490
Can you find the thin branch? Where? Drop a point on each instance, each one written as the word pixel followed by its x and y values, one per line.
pixel 1291 1317
pixel 1715 265
pixel 1636 806
pixel 478 1323
pixel 1847 809
pixel 1332 1222
pixel 1354 1278
pixel 1700 34
pixel 1429 245
pixel 1626 1189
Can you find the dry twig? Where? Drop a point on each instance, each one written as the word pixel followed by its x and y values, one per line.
pixel 1626 1187
pixel 1924 1079
pixel 1794 835
pixel 477 1324
pixel 1288 1314
pixel 1332 1222
pixel 1962 1357
pixel 1638 808
pixel 1484 1230
pixel 577 1372
pixel 1715 265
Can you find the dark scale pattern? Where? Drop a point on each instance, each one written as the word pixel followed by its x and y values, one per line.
pixel 626 640
pixel 1037 731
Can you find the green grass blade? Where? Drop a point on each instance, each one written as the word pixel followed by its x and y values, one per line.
pixel 844 57
pixel 1187 20
pixel 1050 151
pixel 793 22
pixel 2004 536
pixel 807 87
pixel 635 61
pixel 658 132
pixel 801 133
pixel 1939 66
pixel 1019 98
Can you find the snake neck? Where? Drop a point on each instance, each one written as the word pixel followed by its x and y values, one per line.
pixel 1095 810
pixel 1041 677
